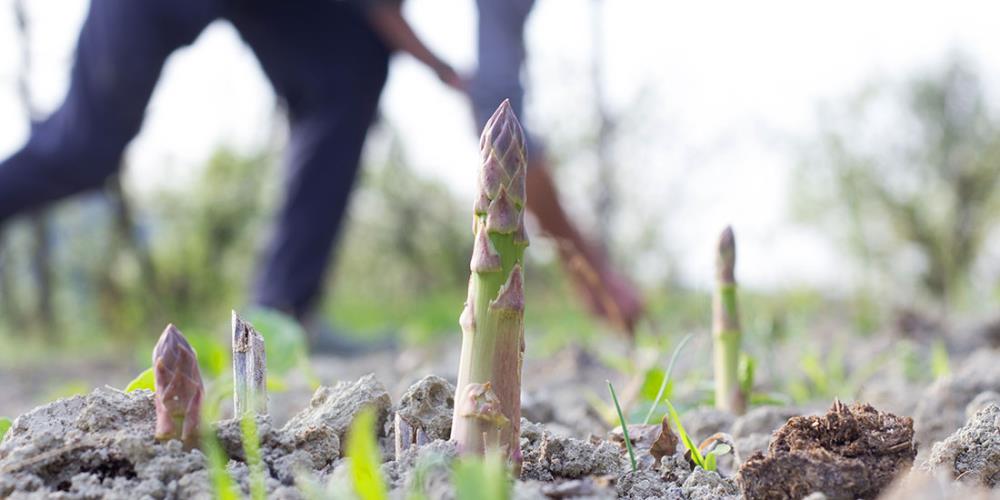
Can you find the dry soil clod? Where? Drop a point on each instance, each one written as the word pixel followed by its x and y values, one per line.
pixel 848 453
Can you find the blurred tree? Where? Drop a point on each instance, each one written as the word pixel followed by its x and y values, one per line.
pixel 913 169
pixel 410 228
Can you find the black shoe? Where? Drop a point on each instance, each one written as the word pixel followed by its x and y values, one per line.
pixel 324 339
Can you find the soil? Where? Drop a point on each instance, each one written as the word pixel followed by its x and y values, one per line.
pixel 100 445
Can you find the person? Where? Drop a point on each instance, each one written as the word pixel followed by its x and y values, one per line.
pixel 501 55
pixel 326 59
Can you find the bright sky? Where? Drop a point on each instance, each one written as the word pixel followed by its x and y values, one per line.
pixel 727 86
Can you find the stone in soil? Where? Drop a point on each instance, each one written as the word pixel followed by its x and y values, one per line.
pixel 972 454
pixel 332 409
pixel 424 413
pixel 850 452
pixel 941 409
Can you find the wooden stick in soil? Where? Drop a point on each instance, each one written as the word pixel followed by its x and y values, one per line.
pixel 488 396
pixel 726 335
pixel 249 369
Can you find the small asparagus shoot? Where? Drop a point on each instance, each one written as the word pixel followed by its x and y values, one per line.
pixel 488 396
pixel 726 336
pixel 179 389
pixel 249 369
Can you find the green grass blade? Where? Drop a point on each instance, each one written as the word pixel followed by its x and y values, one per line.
pixel 666 377
pixel 481 478
pixel 255 463
pixel 621 418
pixel 695 454
pixel 222 484
pixel 366 460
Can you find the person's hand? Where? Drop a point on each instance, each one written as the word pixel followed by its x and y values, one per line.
pixel 607 293
pixel 450 77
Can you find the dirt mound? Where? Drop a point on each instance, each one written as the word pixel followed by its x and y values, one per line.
pixel 972 455
pixel 941 409
pixel 850 452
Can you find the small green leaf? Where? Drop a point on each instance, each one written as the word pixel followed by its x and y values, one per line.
pixel 213 353
pixel 4 426
pixel 145 380
pixel 365 457
pixel 711 457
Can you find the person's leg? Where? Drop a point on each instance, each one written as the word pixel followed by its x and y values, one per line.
pixel 119 54
pixel 325 61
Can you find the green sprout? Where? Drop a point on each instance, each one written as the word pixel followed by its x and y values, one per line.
pixel 255 463
pixel 222 484
pixel 621 418
pixel 940 366
pixel 363 451
pixel 706 461
pixel 481 478
pixel 666 376
pixel 5 424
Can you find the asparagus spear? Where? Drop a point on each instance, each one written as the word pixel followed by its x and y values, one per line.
pixel 488 396
pixel 726 334
pixel 178 388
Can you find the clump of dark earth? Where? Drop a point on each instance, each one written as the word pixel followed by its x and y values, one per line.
pixel 850 452
pixel 972 454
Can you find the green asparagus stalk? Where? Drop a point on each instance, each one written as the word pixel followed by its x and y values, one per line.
pixel 726 336
pixel 488 396
pixel 179 390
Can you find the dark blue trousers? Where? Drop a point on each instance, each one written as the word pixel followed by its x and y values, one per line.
pixel 320 56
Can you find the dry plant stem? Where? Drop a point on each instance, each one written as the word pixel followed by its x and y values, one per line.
pixel 488 395
pixel 179 389
pixel 726 336
pixel 249 369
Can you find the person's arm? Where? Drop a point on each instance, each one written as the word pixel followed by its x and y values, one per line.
pixel 387 20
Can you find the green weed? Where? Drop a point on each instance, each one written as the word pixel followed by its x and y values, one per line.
pixel 482 478
pixel 621 418
pixel 366 460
